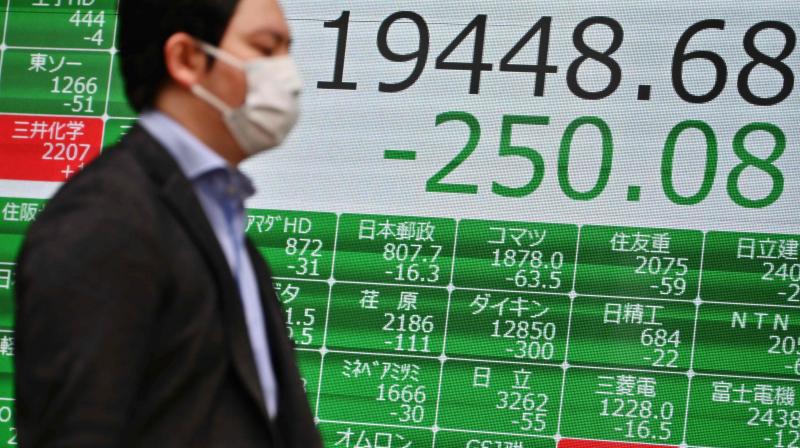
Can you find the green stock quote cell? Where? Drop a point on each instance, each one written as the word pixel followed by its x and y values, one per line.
pixel 16 214
pixel 393 319
pixel 743 413
pixel 379 389
pixel 115 129
pixel 296 244
pixel 751 268
pixel 506 326
pixel 639 262
pixel 395 249
pixel 84 24
pixel 624 406
pixel 54 82
pixel 304 305
pixel 309 362
pixel 631 333
pixel 511 398
pixel 347 435
pixel 10 245
pixel 749 340
pixel 515 255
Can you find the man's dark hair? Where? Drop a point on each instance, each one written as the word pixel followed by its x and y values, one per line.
pixel 144 27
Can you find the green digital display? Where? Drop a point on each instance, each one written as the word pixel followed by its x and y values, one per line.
pixel 497 224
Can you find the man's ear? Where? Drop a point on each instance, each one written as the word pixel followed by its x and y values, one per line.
pixel 185 60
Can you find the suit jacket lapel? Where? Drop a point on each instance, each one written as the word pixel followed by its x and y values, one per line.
pixel 179 194
pixel 279 344
pixel 292 401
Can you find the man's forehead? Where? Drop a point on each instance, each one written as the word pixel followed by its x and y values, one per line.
pixel 257 17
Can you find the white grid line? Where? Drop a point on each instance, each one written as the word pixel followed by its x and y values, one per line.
pixel 443 358
pixel 108 84
pixel 324 350
pixel 60 49
pixel 569 329
pixel 694 339
pixel 73 117
pixel 425 428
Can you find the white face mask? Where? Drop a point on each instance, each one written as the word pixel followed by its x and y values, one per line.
pixel 271 107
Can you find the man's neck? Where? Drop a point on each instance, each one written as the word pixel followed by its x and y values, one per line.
pixel 202 121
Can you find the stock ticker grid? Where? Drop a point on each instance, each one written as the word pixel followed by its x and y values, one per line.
pixel 415 331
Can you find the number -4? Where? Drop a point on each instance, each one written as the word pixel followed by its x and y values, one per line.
pixel 97 37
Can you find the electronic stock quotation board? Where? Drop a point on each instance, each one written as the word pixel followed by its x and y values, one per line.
pixel 515 224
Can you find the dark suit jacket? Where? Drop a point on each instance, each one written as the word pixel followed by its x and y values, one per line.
pixel 130 329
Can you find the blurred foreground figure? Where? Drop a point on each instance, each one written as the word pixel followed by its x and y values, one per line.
pixel 145 317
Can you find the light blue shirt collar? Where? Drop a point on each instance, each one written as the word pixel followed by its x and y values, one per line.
pixel 194 157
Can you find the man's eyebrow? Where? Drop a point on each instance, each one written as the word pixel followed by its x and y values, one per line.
pixel 272 32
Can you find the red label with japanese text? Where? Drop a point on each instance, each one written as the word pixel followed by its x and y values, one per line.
pixel 47 148
pixel 572 443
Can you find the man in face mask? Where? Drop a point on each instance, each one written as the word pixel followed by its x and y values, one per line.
pixel 145 317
